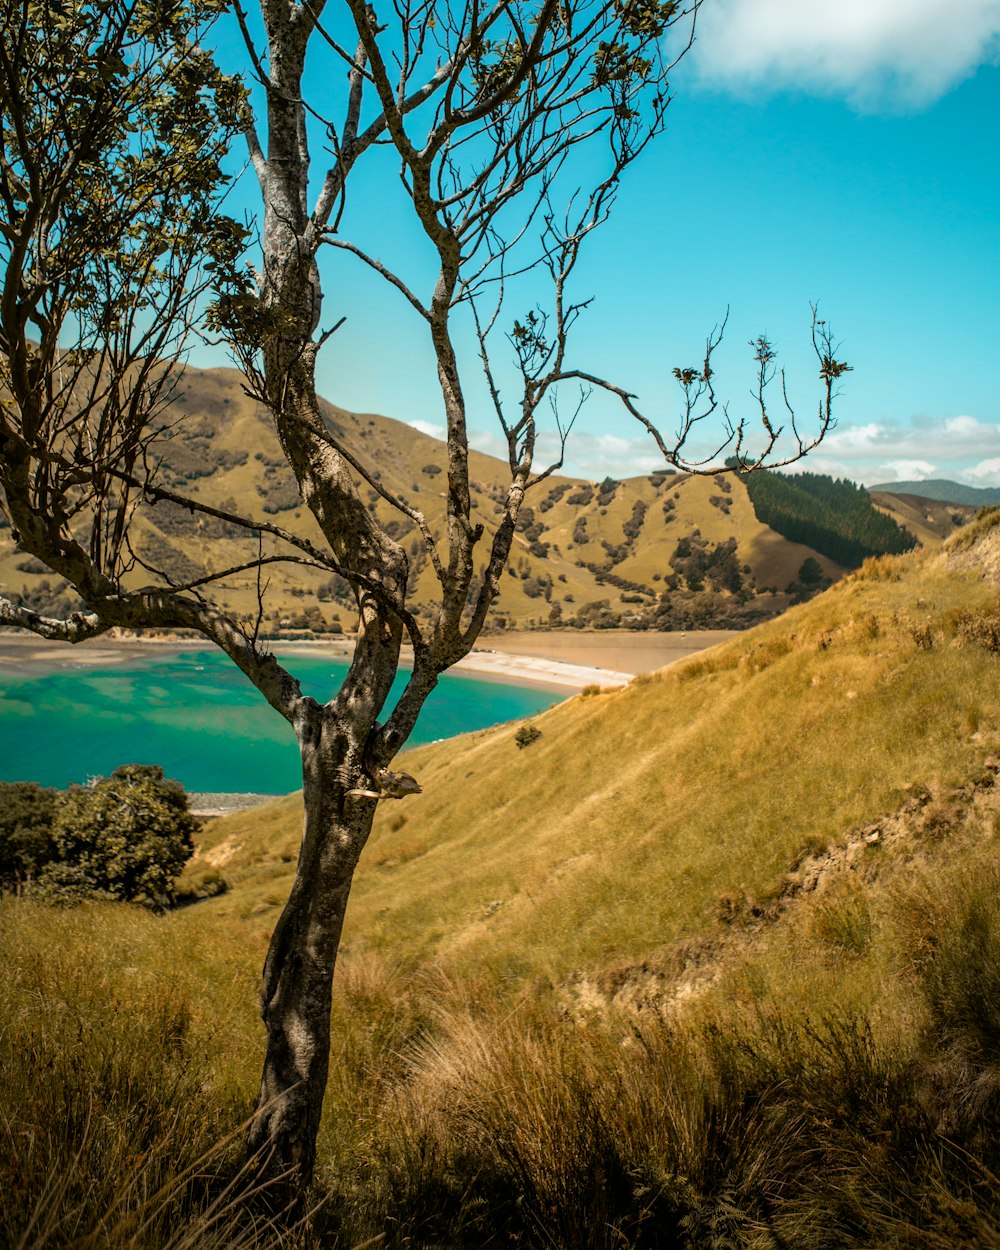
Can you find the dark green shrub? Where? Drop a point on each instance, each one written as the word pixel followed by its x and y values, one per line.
pixel 26 842
pixel 810 572
pixel 125 837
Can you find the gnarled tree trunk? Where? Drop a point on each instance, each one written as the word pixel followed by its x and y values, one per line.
pixel 296 993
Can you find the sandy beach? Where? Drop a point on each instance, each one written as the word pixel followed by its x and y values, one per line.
pixel 563 660
pixel 622 650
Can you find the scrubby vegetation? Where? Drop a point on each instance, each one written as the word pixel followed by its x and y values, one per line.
pixel 696 562
pixel 856 1108
pixel 27 813
pixel 119 1119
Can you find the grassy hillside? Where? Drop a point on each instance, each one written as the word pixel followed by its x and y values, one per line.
pixel 714 961
pixel 825 716
pixel 599 553
pixel 928 520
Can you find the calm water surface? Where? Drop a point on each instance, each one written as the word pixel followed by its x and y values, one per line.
pixel 196 714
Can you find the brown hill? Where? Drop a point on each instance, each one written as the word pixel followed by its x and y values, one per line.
pixel 586 554
pixel 928 520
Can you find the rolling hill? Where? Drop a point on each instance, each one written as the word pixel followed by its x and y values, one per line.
pixel 590 554
pixel 806 715
pixel 929 520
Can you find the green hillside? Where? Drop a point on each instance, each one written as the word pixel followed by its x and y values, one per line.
pixel 834 516
pixel 714 961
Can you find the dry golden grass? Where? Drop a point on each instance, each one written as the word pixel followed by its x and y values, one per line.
pixel 616 833
pixel 713 962
pixel 125 1080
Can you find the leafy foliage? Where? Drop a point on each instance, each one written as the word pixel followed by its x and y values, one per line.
pixel 833 516
pixel 695 561
pixel 147 102
pixel 114 126
pixel 810 572
pixel 124 837
pixel 27 811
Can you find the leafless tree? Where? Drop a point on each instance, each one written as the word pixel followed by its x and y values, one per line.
pixel 495 116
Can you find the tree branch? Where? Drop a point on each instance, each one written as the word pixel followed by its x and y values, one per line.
pixel 76 628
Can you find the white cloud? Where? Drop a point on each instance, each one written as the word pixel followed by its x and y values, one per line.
pixel 960 447
pixel 965 427
pixel 904 53
pixel 908 470
pixel 986 473
pixel 607 455
pixel 430 429
pixel 952 440
pixel 590 456
pixel 856 440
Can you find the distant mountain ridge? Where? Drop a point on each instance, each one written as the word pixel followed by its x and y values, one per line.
pixel 941 490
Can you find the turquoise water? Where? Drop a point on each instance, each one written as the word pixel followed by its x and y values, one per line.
pixel 196 714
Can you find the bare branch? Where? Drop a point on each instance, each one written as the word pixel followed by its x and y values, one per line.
pixel 76 628
pixel 210 578
pixel 564 431
pixel 700 403
pixel 384 272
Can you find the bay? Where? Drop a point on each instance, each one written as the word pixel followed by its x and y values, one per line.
pixel 194 713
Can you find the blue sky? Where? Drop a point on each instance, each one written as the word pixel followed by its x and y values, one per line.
pixel 848 154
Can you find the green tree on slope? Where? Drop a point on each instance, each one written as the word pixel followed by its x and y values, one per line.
pixel 124 837
pixel 27 813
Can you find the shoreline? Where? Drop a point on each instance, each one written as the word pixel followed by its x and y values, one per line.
pixel 565 660
pixel 559 660
pixel 562 662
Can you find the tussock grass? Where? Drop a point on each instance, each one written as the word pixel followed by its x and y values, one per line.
pixel 796 1102
pixel 747 1123
pixel 752 1129
pixel 120 1095
pixel 986 520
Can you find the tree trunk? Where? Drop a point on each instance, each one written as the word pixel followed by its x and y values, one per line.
pixel 296 993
